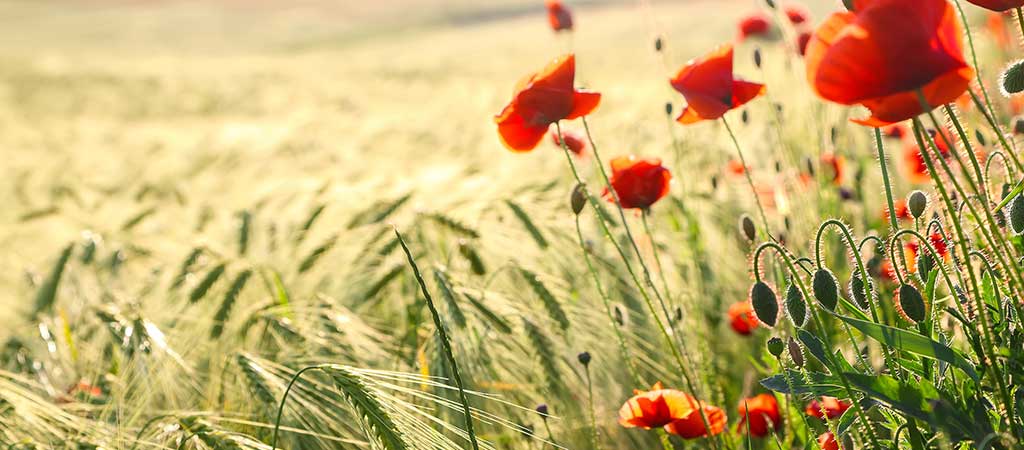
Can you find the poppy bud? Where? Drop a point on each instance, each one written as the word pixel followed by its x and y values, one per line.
pixel 678 316
pixel 787 223
pixel 757 57
pixel 1017 214
pixel 911 303
pixel 1012 79
pixel 796 353
pixel 809 165
pixel 778 166
pixel 980 137
pixel 770 3
pixel 745 117
pixel 796 306
pixel 857 291
pixel 578 199
pixel 714 182
pixel 620 315
pixel 657 44
pixel 542 409
pixel 1018 125
pixel 766 305
pixel 747 227
pixel 668 108
pixel 848 4
pixel 778 107
pixel 835 134
pixel 584 358
pixel 826 289
pixel 916 203
pixel 776 346
pixel 845 193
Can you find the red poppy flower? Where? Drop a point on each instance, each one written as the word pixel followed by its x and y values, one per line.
pixel 886 271
pixel 755 24
pixel 710 88
pixel 914 166
pixel 912 247
pixel 573 140
pixel 559 16
pixel 761 412
pixel 827 441
pixel 540 100
pixel 796 14
pixel 802 40
pixel 638 182
pixel 834 165
pixel 886 51
pixel 742 318
pixel 895 131
pixel 902 212
pixel 735 167
pixel 832 407
pixel 692 426
pixel 656 408
pixel 998 5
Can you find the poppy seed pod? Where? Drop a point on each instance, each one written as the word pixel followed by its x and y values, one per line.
pixel 796 306
pixel 747 227
pixel 668 108
pixel 848 4
pixel 916 203
pixel 776 346
pixel 757 57
pixel 980 137
pixel 911 303
pixel 925 264
pixel 745 117
pixel 1017 214
pixel 584 358
pixel 1012 79
pixel 542 409
pixel 796 353
pixel 766 305
pixel 826 289
pixel 770 3
pixel 578 199
pixel 657 44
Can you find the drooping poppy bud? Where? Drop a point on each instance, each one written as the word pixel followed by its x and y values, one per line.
pixel 584 358
pixel 766 305
pixel 1017 214
pixel 916 203
pixel 1018 125
pixel 559 17
pixel 747 227
pixel 796 306
pixel 1012 79
pixel 911 303
pixel 775 346
pixel 668 108
pixel 980 137
pixel 857 291
pixel 657 44
pixel 826 290
pixel 741 318
pixel 757 57
pixel 542 409
pixel 578 199
pixel 796 353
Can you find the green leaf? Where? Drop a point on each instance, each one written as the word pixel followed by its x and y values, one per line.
pixel 816 383
pixel 910 342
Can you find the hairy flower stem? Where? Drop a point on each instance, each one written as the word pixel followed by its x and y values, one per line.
pixel 962 240
pixel 676 353
pixel 999 133
pixel 623 349
pixel 750 181
pixel 595 440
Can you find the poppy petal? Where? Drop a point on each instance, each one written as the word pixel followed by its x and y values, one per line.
pixel 745 91
pixel 516 134
pixel 896 108
pixel 583 103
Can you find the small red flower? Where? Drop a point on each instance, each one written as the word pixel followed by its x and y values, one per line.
pixel 902 212
pixel 834 165
pixel 559 16
pixel 656 408
pixel 573 140
pixel 853 58
pixel 761 412
pixel 796 14
pixel 913 161
pixel 710 88
pixel 998 5
pixel 742 318
pixel 755 24
pixel 802 40
pixel 735 167
pixel 638 182
pixel 832 407
pixel 540 100
pixel 692 426
pixel 895 131
pixel 827 441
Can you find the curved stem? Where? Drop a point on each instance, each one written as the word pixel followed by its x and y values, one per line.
pixel 280 407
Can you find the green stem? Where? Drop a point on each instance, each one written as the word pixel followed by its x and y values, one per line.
pixel 750 181
pixel 280 407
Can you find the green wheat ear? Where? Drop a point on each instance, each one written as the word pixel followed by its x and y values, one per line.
pixel 1012 79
